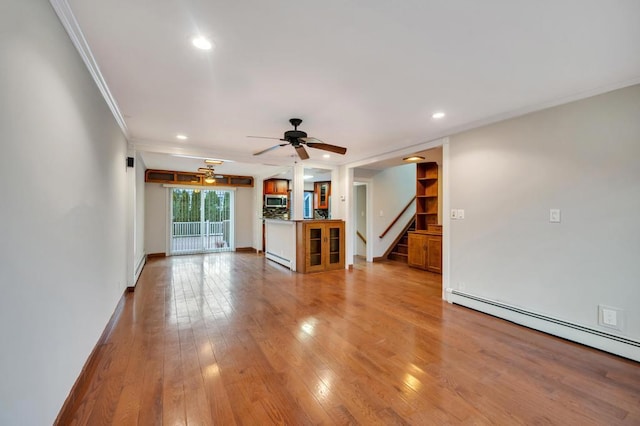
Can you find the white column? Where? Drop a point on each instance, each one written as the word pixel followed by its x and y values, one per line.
pixel 297 192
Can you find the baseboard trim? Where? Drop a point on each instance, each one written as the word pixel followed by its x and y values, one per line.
pixel 153 255
pixel 605 341
pixel 81 385
pixel 380 259
pixel 245 249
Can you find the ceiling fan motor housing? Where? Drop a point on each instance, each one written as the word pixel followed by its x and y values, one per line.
pixel 293 135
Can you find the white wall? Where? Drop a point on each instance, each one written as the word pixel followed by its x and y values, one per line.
pixel 156 219
pixel 391 190
pixel 139 252
pixel 582 158
pixel 64 194
pixel 244 218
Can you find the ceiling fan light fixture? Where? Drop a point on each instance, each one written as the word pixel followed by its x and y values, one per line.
pixel 413 158
pixel 209 179
pixel 202 43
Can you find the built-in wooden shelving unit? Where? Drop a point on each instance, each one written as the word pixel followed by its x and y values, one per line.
pixel 426 195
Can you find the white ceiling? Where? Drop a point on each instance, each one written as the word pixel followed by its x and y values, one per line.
pixel 366 75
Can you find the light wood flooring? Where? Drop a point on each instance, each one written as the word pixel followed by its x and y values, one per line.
pixel 232 338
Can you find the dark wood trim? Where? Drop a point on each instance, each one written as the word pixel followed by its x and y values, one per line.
pixel 397 217
pixel 380 259
pixel 364 240
pixel 195 178
pixel 152 255
pixel 88 372
pixel 245 249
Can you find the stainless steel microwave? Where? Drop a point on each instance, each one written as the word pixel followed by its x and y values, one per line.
pixel 275 201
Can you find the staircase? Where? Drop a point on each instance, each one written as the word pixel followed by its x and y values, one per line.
pixel 401 248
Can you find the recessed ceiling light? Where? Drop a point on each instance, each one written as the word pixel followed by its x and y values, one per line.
pixel 437 115
pixel 307 176
pixel 210 161
pixel 182 137
pixel 202 43
pixel 326 156
pixel 413 158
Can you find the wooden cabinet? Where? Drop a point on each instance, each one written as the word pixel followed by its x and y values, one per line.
pixel 425 250
pixel 320 245
pixel 322 191
pixel 190 178
pixel 426 195
pixel 276 186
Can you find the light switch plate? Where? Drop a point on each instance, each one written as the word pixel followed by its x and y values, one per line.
pixel 454 214
pixel 460 213
pixel 554 215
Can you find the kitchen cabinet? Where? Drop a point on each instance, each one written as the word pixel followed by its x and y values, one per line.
pixel 425 250
pixel 322 191
pixel 276 186
pixel 320 245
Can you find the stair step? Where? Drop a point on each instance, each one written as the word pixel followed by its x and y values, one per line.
pixel 398 257
pixel 401 249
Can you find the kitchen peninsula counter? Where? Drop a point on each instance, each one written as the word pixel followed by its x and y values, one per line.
pixel 309 245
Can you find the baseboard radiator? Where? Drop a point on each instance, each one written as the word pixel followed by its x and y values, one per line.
pixel 141 262
pixel 279 259
pixel 599 339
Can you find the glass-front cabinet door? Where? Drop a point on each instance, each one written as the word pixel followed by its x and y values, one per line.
pixel 335 246
pixel 315 252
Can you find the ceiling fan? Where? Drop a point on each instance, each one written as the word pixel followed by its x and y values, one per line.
pixel 209 173
pixel 297 139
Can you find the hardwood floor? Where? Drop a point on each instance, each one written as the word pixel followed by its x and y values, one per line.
pixel 233 338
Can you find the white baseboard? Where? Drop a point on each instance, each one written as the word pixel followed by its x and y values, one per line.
pixel 602 340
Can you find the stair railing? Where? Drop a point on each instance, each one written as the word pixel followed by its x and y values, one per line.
pixel 397 217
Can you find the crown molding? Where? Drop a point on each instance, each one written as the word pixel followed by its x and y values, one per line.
pixel 70 24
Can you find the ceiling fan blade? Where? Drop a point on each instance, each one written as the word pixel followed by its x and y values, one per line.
pixel 265 137
pixel 327 147
pixel 310 139
pixel 269 149
pixel 302 153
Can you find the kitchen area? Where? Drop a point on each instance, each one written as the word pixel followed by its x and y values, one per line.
pixel 298 232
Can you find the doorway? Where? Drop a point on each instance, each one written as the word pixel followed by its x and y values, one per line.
pixel 360 214
pixel 201 221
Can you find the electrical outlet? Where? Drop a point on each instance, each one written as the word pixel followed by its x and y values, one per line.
pixel 610 317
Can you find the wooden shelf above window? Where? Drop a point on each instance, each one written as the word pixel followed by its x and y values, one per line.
pixel 191 178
